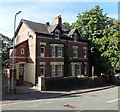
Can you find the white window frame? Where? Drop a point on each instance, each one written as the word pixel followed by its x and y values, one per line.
pixel 57 34
pixel 59 51
pixel 75 38
pixel 75 51
pixel 73 69
pixel 85 68
pixel 52 70
pixel 42 66
pixel 42 54
pixel 22 50
pixel 60 70
pixel 85 52
pixel 78 69
pixel 53 51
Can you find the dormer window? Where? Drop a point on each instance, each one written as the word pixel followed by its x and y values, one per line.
pixel 57 34
pixel 75 37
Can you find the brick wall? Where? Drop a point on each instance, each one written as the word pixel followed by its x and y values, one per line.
pixel 47 59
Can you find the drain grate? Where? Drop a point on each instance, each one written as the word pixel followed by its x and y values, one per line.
pixel 70 106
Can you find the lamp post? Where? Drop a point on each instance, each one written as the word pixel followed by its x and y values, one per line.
pixel 13 60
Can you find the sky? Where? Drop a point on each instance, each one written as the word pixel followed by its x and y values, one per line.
pixel 46 11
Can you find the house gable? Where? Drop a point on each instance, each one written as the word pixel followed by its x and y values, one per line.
pixel 74 34
pixel 23 33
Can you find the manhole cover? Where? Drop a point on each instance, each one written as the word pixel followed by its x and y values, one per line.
pixel 70 106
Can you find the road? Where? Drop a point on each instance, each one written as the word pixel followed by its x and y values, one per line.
pixel 100 100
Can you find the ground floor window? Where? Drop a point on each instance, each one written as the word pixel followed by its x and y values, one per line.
pixel 60 70
pixel 56 70
pixel 85 68
pixel 73 69
pixel 53 70
pixel 42 70
pixel 78 69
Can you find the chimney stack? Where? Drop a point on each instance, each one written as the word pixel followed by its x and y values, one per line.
pixel 58 20
pixel 47 23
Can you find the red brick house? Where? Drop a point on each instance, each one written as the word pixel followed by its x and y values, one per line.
pixel 49 51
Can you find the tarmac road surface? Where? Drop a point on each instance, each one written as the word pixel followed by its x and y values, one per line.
pixel 106 99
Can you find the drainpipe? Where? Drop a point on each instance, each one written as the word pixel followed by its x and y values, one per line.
pixel 36 78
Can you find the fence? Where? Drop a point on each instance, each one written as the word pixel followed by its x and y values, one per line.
pixel 74 83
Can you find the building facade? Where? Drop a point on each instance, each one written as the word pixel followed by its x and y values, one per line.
pixel 48 51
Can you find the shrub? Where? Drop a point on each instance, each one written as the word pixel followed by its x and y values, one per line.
pixel 81 76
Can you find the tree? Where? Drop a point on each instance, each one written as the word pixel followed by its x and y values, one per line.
pixel 66 25
pixel 6 43
pixel 110 43
pixel 101 31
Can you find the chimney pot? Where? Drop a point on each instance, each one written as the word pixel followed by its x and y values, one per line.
pixel 47 23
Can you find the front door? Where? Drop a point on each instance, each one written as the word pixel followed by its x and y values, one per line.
pixel 21 72
pixel 42 70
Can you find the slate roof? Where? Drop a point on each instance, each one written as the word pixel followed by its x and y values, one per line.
pixel 71 32
pixel 52 28
pixel 48 29
pixel 37 27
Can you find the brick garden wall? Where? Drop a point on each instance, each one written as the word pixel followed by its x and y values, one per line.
pixel 74 83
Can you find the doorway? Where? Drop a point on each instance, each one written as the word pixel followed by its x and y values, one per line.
pixel 21 72
pixel 42 70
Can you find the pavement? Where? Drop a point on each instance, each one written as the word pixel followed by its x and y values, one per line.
pixel 24 93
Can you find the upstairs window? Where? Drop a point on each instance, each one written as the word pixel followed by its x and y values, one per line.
pixel 59 51
pixel 85 52
pixel 75 52
pixel 53 51
pixel 42 50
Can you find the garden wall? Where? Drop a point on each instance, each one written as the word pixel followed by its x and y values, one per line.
pixel 74 83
